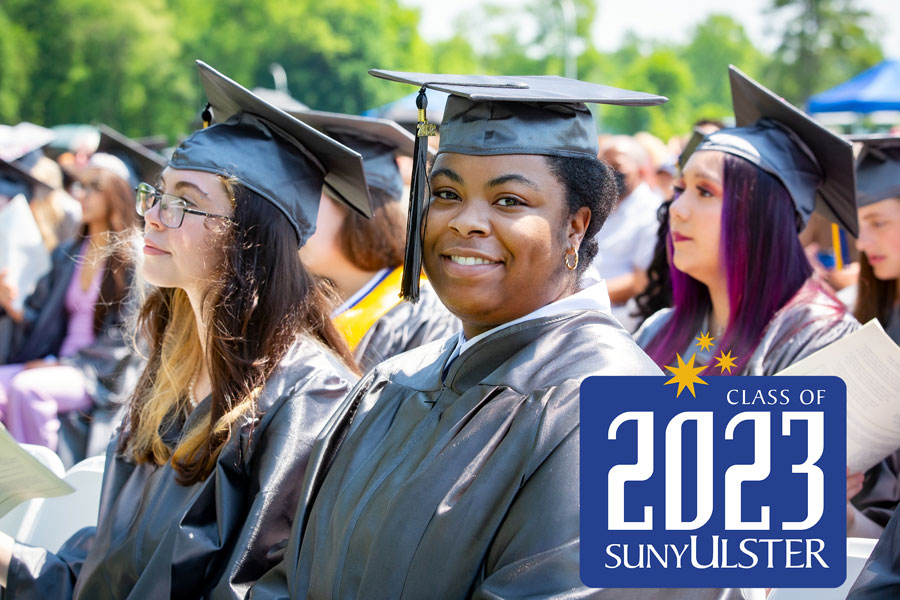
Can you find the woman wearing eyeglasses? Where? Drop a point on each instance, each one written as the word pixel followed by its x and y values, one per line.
pixel 244 368
pixel 67 351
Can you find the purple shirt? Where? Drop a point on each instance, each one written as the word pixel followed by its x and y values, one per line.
pixel 80 306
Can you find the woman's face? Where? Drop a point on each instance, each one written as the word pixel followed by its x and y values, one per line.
pixel 879 237
pixel 496 237
pixel 322 251
pixel 90 194
pixel 695 217
pixel 186 257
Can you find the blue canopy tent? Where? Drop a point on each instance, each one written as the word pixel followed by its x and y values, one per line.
pixel 877 88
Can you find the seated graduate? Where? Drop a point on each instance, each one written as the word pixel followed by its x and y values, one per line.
pixel 364 258
pixel 67 351
pixel 739 272
pixel 457 475
pixel 244 370
pixel 878 199
pixel 878 297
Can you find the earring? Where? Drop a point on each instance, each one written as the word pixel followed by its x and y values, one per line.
pixel 571 252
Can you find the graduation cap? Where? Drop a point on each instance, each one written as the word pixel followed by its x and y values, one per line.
pixel 496 115
pixel 689 148
pixel 20 149
pixel 143 163
pixel 377 140
pixel 270 152
pixel 814 164
pixel 877 168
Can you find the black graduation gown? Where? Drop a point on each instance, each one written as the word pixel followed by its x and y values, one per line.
pixel 461 486
pixel 158 539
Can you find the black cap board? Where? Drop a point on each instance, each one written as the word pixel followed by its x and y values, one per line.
pixel 272 153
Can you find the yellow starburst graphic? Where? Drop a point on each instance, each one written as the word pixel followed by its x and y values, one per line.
pixel 704 341
pixel 726 361
pixel 685 375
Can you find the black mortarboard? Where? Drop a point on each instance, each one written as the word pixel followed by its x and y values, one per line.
pixel 496 115
pixel 877 168
pixel 143 163
pixel 270 152
pixel 814 164
pixel 377 140
pixel 692 143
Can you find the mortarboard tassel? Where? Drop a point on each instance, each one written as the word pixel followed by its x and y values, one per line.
pixel 836 244
pixel 418 207
pixel 206 115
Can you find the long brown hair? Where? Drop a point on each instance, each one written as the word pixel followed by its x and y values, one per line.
pixel 875 297
pixel 121 218
pixel 261 298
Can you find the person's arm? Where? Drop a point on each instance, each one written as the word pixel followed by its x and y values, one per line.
pixel 8 295
pixel 624 287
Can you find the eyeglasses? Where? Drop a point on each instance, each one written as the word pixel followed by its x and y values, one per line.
pixel 171 208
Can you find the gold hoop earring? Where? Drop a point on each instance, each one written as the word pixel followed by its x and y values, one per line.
pixel 574 253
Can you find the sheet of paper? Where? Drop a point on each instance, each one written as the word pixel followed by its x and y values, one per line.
pixel 22 250
pixel 869 363
pixel 22 477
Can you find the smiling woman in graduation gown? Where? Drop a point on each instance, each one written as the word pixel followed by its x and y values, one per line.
pixel 197 497
pixel 738 269
pixel 454 468
pixel 364 257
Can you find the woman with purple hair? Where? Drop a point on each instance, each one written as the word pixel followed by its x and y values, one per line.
pixel 739 273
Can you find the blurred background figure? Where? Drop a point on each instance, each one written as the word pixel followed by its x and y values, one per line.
pixel 68 349
pixel 363 258
pixel 626 242
pixel 877 295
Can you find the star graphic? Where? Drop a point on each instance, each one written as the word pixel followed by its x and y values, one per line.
pixel 685 375
pixel 704 341
pixel 726 361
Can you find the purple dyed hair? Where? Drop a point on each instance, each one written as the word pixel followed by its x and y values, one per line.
pixel 765 267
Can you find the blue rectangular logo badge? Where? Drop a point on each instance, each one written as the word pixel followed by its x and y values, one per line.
pixel 733 487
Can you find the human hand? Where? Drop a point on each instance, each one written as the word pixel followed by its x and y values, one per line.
pixel 854 483
pixel 8 291
pixel 40 363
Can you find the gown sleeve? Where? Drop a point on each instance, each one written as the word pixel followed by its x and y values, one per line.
pixel 43 575
pixel 278 467
pixel 535 553
pixel 880 578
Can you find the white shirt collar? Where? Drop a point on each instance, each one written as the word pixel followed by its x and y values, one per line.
pixel 592 296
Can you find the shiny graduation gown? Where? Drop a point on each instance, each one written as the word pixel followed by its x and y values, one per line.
pixel 405 326
pixel 158 539
pixel 464 485
pixel 880 578
pixel 881 490
pixel 811 320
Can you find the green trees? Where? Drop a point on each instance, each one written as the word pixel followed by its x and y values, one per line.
pixel 129 63
pixel 823 43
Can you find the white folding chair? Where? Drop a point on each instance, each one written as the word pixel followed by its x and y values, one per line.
pixel 58 518
pixel 20 519
pixel 858 551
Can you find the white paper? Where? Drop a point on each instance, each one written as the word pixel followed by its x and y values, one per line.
pixel 869 363
pixel 22 250
pixel 22 477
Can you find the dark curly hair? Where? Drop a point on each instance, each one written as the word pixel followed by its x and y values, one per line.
pixel 591 183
